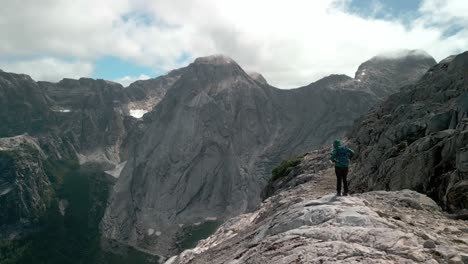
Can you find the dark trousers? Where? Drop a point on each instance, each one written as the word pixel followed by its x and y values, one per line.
pixel 341 178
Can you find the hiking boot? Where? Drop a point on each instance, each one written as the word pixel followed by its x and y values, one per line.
pixel 338 194
pixel 345 194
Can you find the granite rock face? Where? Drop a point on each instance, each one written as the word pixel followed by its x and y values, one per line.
pixel 209 145
pixel 306 223
pixel 88 120
pixel 25 189
pixel 23 105
pixel 418 138
pixel 81 119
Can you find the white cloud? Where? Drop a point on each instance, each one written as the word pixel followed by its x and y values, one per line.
pixel 127 80
pixel 445 12
pixel 291 43
pixel 48 69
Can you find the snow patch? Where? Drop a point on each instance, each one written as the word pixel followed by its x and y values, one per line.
pixel 62 110
pixel 138 113
pixel 211 218
pixel 117 170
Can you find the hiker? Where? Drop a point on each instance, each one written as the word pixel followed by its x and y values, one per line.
pixel 340 156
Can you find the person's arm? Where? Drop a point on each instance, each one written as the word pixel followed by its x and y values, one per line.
pixel 333 156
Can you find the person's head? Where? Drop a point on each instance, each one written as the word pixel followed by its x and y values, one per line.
pixel 336 143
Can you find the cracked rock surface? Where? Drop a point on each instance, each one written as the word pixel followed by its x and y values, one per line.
pixel 309 224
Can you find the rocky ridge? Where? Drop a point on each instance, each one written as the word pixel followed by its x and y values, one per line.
pixel 88 120
pixel 303 222
pixel 418 138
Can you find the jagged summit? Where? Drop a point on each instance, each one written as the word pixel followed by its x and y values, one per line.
pixel 214 59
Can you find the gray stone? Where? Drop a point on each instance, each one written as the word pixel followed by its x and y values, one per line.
pixel 462 160
pixel 352 232
pixel 455 260
pixel 429 244
pixel 464 258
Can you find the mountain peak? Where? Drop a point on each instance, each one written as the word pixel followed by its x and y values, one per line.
pixel 215 60
pixel 400 66
pixel 403 53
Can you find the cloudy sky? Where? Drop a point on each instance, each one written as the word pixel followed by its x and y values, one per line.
pixel 292 43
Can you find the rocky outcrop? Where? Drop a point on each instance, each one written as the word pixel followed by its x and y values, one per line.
pixel 23 106
pixel 25 189
pixel 208 147
pixel 417 138
pixel 306 223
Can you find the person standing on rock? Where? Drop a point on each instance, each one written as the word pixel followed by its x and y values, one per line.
pixel 340 156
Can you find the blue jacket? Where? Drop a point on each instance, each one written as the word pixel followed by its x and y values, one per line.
pixel 341 155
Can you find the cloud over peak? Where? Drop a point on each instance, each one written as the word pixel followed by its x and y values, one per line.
pixel 290 43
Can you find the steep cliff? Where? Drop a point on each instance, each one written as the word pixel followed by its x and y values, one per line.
pixel 88 120
pixel 418 138
pixel 25 188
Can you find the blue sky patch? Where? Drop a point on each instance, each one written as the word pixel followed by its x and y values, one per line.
pixel 405 10
pixel 110 68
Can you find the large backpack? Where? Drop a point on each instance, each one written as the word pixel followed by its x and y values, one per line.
pixel 342 156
